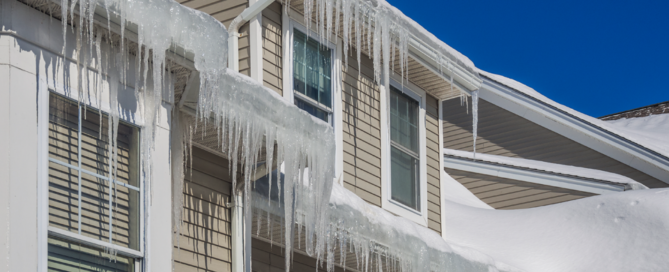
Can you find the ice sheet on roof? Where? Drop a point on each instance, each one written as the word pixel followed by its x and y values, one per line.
pixel 549 167
pixel 646 139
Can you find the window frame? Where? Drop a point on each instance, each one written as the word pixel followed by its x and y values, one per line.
pixel 289 93
pixel 289 22
pixel 418 216
pixel 46 231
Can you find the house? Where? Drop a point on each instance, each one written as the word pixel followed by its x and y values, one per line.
pixel 328 144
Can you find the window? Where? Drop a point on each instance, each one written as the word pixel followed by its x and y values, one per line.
pixel 89 198
pixel 312 76
pixel 405 158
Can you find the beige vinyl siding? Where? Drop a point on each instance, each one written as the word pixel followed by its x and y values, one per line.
pixel 270 258
pixel 205 232
pixel 361 130
pixel 501 132
pixel 63 181
pixel 272 41
pixel 507 194
pixel 432 149
pixel 225 11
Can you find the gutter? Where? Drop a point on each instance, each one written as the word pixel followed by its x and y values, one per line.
pixel 571 182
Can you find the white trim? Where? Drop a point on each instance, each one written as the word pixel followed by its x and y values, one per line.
pixel 536 177
pixel 255 45
pixel 442 175
pixel 419 217
pixel 78 238
pixel 575 129
pixel 42 175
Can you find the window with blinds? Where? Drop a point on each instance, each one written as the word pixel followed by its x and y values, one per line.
pixel 312 71
pixel 404 145
pixel 88 195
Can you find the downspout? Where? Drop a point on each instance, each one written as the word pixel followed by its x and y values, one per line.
pixel 233 31
pixel 237 209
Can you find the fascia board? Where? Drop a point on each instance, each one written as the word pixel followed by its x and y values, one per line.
pixel 577 130
pixel 548 179
pixel 468 81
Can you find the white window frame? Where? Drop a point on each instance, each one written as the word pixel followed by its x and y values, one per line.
pixel 294 20
pixel 46 231
pixel 418 216
pixel 291 94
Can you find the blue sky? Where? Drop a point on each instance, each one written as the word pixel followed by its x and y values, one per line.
pixel 598 57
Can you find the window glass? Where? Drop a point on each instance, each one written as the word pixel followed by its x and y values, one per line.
pixel 404 120
pixel 311 109
pixel 404 177
pixel 404 149
pixel 312 65
pixel 85 196
pixel 68 256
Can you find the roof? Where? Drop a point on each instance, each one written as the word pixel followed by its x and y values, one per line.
pixel 660 149
pixel 659 108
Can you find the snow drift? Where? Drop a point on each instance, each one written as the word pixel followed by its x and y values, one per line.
pixel 626 231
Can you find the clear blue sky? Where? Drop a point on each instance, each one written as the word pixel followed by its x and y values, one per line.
pixel 598 57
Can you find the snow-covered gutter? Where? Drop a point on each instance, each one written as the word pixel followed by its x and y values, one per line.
pixel 539 175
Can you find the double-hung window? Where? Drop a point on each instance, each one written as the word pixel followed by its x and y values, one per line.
pixel 94 201
pixel 312 76
pixel 404 150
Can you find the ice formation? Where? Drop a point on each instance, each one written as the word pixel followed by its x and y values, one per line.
pixel 379 240
pixel 250 118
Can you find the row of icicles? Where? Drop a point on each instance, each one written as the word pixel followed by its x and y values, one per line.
pixel 383 36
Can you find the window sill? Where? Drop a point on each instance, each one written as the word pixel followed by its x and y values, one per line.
pixel 60 233
pixel 403 211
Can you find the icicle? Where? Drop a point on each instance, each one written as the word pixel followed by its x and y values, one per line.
pixel 475 116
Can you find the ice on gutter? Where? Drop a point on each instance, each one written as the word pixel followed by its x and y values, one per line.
pixel 559 169
pixel 248 117
pixel 378 238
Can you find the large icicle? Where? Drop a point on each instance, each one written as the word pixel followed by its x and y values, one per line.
pixel 475 117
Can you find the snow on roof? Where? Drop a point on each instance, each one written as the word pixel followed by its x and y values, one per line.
pixel 653 129
pixel 560 169
pixel 624 231
pixel 645 139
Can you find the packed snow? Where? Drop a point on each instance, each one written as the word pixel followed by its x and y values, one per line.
pixel 649 141
pixel 625 231
pixel 652 129
pixel 549 167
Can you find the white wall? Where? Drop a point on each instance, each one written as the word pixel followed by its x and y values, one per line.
pixel 30 49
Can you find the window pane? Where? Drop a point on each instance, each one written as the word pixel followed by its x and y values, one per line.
pixel 320 114
pixel 68 256
pixel 63 197
pixel 63 130
pixel 312 69
pixel 98 199
pixel 403 120
pixel 404 179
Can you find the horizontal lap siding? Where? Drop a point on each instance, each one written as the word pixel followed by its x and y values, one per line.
pixel 225 11
pixel 501 193
pixel 503 133
pixel 432 150
pixel 361 130
pixel 270 258
pixel 205 241
pixel 272 47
